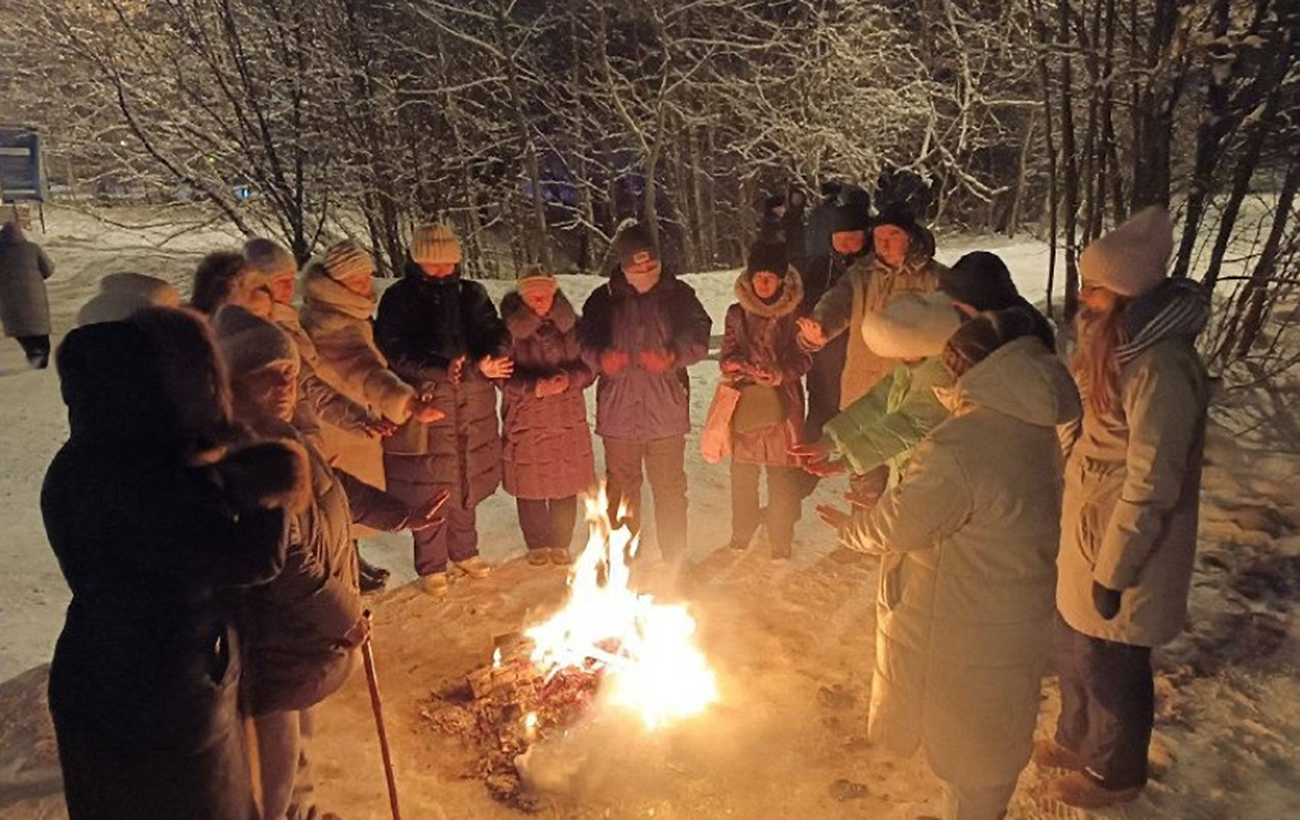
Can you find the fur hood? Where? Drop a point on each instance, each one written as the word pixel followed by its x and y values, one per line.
pixel 789 300
pixel 523 323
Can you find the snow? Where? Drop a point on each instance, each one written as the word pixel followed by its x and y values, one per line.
pixel 792 642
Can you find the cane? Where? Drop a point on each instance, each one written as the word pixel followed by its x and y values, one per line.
pixel 377 705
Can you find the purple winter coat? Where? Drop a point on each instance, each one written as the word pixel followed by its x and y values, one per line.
pixel 546 442
pixel 635 404
pixel 766 336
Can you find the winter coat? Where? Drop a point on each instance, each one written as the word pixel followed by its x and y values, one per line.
pixel 968 571
pixel 883 426
pixel 146 674
pixel 636 404
pixel 766 336
pixel 868 286
pixel 546 442
pixel 819 276
pixel 302 628
pixel 339 325
pixel 24 267
pixel 423 325
pixel 1132 486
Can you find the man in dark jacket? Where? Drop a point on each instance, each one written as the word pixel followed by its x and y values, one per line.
pixel 639 333
pixel 441 333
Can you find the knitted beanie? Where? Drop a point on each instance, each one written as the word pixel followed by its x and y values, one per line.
pixel 912 326
pixel 345 260
pixel 898 215
pixel 981 280
pixel 634 245
pixel 435 244
pixel 767 256
pixel 249 343
pixel 978 338
pixel 269 258
pixel 1133 258
pixel 852 211
pixel 535 279
pixel 122 294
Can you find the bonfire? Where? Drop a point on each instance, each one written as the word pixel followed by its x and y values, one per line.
pixel 608 644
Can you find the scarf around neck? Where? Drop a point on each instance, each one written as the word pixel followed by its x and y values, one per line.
pixel 1176 307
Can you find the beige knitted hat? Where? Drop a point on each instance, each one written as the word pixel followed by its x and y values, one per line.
pixel 248 343
pixel 435 244
pixel 912 326
pixel 346 259
pixel 535 278
pixel 1133 258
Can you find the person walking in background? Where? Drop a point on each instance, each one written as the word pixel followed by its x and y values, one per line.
pixel 902 259
pixel 225 278
pixel 1128 537
pixel 546 444
pixel 305 625
pixel 24 305
pixel 968 567
pixel 847 224
pixel 762 358
pixel 156 519
pixel 639 332
pixel 441 333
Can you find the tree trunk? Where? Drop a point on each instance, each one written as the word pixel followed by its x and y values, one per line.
pixel 539 249
pixel 1071 168
pixel 1254 297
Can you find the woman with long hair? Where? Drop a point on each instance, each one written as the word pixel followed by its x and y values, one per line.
pixel 1128 525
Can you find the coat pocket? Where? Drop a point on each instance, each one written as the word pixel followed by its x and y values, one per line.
pixel 1099 490
pixel 891 581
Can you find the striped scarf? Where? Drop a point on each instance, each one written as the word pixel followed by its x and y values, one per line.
pixel 1176 307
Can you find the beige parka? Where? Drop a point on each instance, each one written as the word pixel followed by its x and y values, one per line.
pixel 968 541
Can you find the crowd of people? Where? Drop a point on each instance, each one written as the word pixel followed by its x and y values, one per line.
pixel 226 454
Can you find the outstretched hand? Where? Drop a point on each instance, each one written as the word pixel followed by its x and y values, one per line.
pixel 811 332
pixel 815 459
pixel 378 427
pixel 423 411
pixel 833 517
pixel 426 516
pixel 496 367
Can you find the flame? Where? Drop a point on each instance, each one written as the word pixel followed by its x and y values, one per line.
pixel 647 650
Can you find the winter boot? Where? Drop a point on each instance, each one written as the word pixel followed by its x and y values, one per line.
pixel 435 584
pixel 539 557
pixel 367 568
pixel 1081 791
pixel 560 556
pixel 372 583
pixel 1049 754
pixel 475 567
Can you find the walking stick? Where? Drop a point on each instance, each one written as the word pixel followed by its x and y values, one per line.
pixel 377 705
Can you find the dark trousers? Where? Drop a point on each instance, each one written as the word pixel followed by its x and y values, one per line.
pixel 37 349
pixel 456 538
pixel 547 524
pixel 664 463
pixel 784 503
pixel 1107 706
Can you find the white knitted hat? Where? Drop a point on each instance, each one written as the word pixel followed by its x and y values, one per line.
pixel 1133 258
pixel 911 326
pixel 346 259
pixel 435 245
pixel 122 294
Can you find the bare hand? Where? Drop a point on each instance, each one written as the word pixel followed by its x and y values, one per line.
pixel 552 386
pixel 423 411
pixel 811 331
pixel 658 361
pixel 833 517
pixel 378 427
pixel 422 518
pixel 496 367
pixel 765 377
pixel 612 362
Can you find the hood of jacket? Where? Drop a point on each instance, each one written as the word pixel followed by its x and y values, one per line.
pixel 1021 379
pixel 322 290
pixel 786 302
pixel 522 322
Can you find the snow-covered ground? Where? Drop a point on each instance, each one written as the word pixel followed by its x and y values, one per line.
pixel 791 642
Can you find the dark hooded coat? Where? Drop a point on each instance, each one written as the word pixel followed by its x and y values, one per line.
pixel 423 325
pixel 146 673
pixel 546 441
pixel 24 267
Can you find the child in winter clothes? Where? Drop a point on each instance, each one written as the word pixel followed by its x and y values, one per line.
pixel 305 625
pixel 639 333
pixel 761 355
pixel 546 443
pixel 156 519
pixel 441 333
pixel 968 548
pixel 1132 482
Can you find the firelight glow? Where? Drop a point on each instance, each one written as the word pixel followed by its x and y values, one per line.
pixel 651 662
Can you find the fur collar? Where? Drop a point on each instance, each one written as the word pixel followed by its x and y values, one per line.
pixel 321 291
pixel 523 323
pixel 790 299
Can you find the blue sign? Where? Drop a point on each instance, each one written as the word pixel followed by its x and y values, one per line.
pixel 22 176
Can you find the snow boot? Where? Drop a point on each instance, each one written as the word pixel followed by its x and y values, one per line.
pixel 371 583
pixel 1081 791
pixel 370 569
pixel 539 557
pixel 435 584
pixel 560 556
pixel 475 567
pixel 1049 754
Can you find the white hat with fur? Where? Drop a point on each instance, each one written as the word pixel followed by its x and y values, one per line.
pixel 912 326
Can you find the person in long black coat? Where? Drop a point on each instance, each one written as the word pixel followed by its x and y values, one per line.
pixel 155 521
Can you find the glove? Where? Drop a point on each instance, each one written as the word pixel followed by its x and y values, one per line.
pixel 612 362
pixel 1106 601
pixel 657 361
